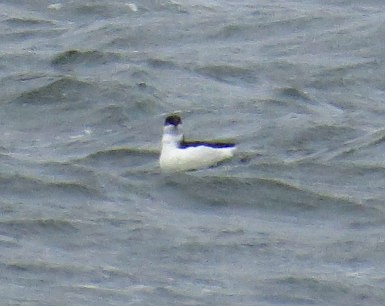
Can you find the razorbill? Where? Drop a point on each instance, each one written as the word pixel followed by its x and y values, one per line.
pixel 180 155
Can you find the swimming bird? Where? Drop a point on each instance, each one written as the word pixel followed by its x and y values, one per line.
pixel 180 155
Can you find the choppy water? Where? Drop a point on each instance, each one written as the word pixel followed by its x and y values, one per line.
pixel 297 218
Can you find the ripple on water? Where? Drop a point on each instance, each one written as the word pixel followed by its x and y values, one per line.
pixel 84 57
pixel 268 194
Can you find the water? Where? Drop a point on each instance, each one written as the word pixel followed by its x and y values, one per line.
pixel 297 218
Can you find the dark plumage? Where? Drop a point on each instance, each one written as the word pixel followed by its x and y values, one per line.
pixel 186 144
pixel 173 120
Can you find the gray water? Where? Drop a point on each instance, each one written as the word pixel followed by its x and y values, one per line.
pixel 296 218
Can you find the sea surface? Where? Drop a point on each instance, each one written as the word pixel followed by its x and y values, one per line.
pixel 296 218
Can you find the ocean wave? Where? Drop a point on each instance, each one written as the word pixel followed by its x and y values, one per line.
pixel 57 91
pixel 339 180
pixel 84 57
pixel 295 93
pixel 17 186
pixel 228 73
pixel 308 289
pixel 367 147
pixel 65 269
pixel 118 156
pixel 27 22
pixel 28 28
pixel 162 63
pixel 276 195
pixel 21 227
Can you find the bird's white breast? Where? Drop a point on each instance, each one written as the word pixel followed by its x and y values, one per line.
pixel 173 158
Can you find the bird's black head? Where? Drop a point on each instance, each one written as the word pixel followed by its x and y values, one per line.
pixel 173 120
